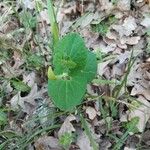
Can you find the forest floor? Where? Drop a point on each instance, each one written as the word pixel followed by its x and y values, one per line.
pixel 115 112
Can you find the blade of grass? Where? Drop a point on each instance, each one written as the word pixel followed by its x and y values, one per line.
pixel 119 87
pixel 28 139
pixel 53 21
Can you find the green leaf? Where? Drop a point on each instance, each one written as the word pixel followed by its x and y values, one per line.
pixel 27 20
pixel 20 86
pixel 66 94
pixel 65 140
pixel 3 117
pixel 103 27
pixel 91 67
pixel 70 54
pixel 131 126
pixel 9 134
pixel 35 61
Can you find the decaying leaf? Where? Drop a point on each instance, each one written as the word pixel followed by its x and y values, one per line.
pixel 124 5
pixel 146 22
pixel 140 90
pixel 106 5
pixel 83 142
pixel 44 16
pixel 91 112
pixel 142 111
pixel 47 143
pixel 29 4
pixel 102 66
pixel 127 28
pixel 19 101
pixel 67 126
pixel 128 148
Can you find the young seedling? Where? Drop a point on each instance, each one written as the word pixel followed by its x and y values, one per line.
pixel 74 66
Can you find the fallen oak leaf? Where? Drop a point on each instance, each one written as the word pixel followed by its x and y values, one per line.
pixel 67 126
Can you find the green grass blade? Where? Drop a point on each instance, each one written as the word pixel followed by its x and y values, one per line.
pixel 53 22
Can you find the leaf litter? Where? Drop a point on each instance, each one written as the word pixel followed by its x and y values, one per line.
pixel 113 45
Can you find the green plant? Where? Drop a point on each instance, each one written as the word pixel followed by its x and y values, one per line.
pixel 130 128
pixel 74 67
pixel 3 117
pixel 65 140
pixel 103 26
pixel 28 21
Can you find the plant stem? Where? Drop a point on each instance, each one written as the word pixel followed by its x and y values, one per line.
pixel 53 22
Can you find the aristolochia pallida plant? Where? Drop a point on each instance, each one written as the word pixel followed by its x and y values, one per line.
pixel 74 66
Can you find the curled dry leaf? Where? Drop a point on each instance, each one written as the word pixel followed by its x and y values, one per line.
pixel 92 113
pixel 67 126
pixel 19 101
pixel 140 90
pixel 102 67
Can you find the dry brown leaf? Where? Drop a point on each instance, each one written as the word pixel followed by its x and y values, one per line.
pixel 111 35
pixel 143 112
pixel 140 90
pixel 130 40
pixel 124 5
pixel 146 22
pixel 83 142
pixel 67 126
pixel 47 143
pixel 106 5
pixel 102 67
pixel 127 28
pixel 118 70
pixel 18 101
pixel 10 72
pixel 147 1
pixel 92 113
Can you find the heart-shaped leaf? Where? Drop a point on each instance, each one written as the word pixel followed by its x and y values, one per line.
pixel 66 94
